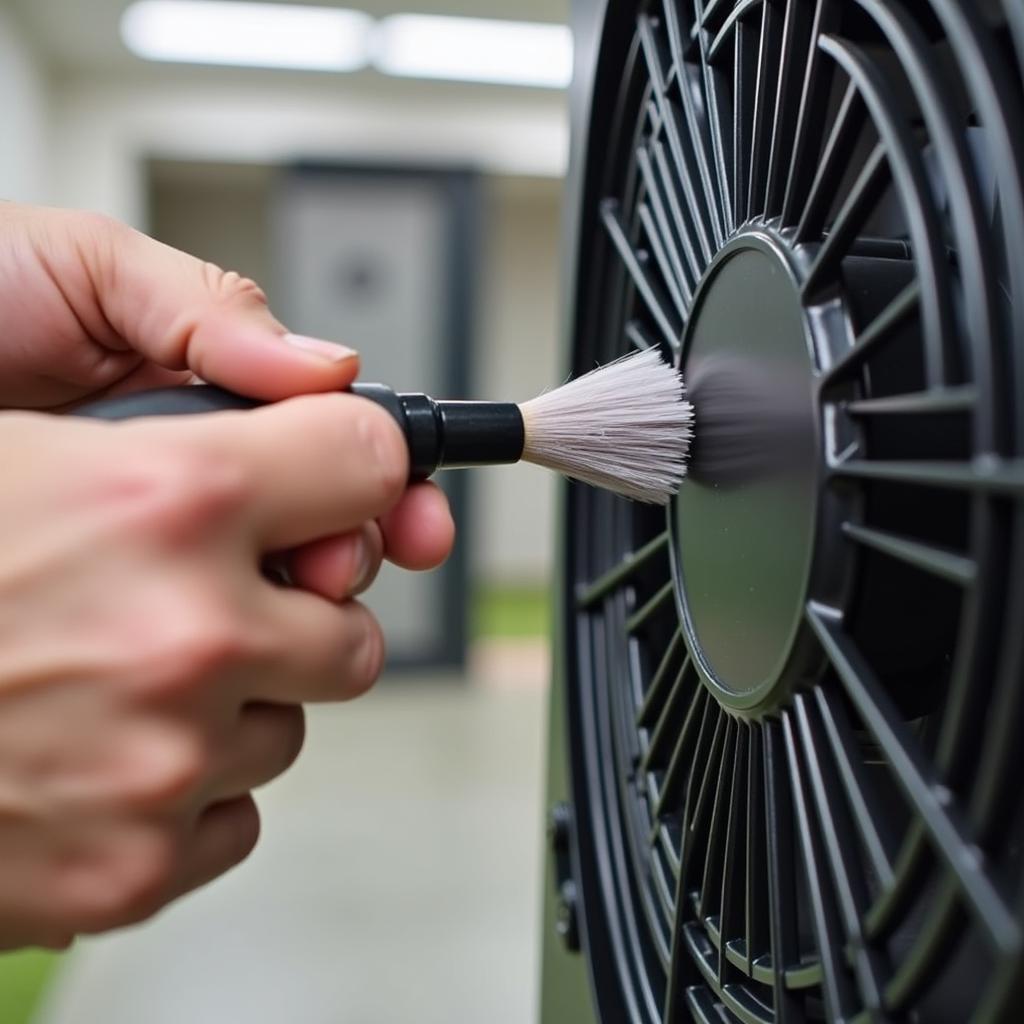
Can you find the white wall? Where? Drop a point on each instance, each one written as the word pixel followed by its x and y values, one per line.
pixel 24 117
pixel 104 128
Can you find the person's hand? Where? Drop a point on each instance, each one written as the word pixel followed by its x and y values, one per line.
pixel 91 307
pixel 150 674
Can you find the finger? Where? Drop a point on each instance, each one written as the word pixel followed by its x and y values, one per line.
pixel 327 652
pixel 184 313
pixel 310 467
pixel 224 836
pixel 265 743
pixel 338 567
pixel 419 531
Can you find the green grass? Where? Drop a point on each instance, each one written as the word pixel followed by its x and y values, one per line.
pixel 23 976
pixel 511 612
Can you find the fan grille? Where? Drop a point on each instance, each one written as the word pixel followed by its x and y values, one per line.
pixel 847 845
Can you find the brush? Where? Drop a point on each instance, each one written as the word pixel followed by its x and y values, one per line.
pixel 625 427
pixel 756 421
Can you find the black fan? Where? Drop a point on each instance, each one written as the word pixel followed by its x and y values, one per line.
pixel 795 705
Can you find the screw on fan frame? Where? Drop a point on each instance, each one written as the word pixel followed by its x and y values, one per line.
pixel 794 704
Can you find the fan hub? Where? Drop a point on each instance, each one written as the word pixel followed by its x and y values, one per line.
pixel 744 523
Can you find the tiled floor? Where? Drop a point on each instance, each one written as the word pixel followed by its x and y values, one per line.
pixel 397 880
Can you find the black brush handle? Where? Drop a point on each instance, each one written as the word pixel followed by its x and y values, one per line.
pixel 181 401
pixel 440 435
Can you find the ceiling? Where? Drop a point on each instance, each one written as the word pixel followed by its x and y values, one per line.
pixel 84 36
pixel 108 106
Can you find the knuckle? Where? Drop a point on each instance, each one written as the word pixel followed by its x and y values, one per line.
pixel 95 226
pixel 181 495
pixel 231 286
pixel 198 491
pixel 213 485
pixel 130 883
pixel 167 771
pixel 98 239
pixel 206 646
pixel 146 876
pixel 214 278
pixel 197 643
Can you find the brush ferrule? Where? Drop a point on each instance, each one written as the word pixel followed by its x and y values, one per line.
pixel 451 435
pixel 480 433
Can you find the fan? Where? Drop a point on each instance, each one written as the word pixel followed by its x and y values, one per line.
pixel 795 704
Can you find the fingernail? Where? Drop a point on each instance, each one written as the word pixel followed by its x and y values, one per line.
pixel 363 567
pixel 328 351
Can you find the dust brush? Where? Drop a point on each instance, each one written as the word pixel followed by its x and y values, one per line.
pixel 625 427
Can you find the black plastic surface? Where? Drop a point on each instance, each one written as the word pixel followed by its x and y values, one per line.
pixel 481 433
pixel 847 846
pixel 183 401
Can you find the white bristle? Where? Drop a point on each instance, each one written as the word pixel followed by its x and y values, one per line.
pixel 625 427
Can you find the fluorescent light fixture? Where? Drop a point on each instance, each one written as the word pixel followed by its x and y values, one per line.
pixel 474 50
pixel 265 35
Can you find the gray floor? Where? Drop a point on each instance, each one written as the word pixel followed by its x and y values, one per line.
pixel 397 880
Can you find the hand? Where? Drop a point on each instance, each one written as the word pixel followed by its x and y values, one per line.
pixel 150 675
pixel 91 307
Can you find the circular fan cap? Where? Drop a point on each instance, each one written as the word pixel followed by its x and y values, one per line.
pixel 747 515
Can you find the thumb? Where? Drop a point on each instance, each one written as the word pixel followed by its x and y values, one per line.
pixel 185 314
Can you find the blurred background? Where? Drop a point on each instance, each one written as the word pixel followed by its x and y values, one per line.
pixel 395 183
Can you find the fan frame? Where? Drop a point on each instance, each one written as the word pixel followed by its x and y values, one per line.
pixel 619 990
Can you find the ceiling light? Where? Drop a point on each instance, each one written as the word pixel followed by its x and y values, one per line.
pixel 248 34
pixel 474 50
